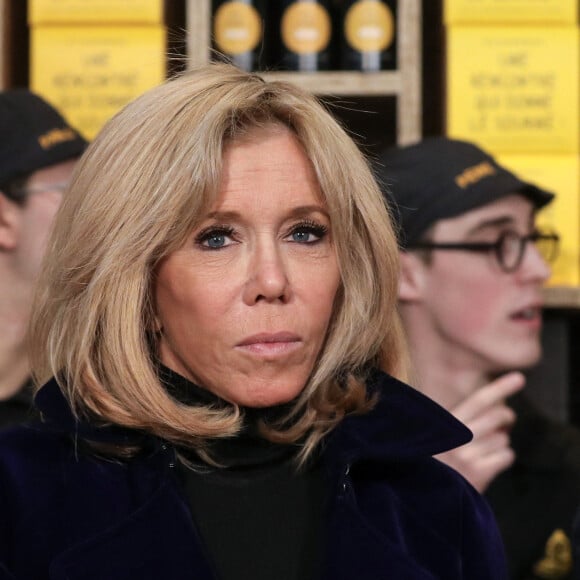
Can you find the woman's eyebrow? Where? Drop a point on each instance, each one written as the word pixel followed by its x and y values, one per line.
pixel 299 211
pixel 223 215
pixel 308 210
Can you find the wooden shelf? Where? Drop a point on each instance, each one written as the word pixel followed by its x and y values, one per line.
pixel 404 84
pixel 3 47
pixel 562 297
pixel 343 82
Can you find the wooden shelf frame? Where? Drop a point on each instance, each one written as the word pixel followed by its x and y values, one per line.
pixel 4 36
pixel 562 297
pixel 404 83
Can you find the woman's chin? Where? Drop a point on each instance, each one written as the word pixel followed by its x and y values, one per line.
pixel 262 396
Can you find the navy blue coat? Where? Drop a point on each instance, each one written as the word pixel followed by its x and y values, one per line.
pixel 395 512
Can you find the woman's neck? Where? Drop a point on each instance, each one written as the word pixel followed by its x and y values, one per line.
pixel 248 449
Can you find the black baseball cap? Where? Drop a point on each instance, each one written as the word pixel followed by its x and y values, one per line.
pixel 33 135
pixel 441 178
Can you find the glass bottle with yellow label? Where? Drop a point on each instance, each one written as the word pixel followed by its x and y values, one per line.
pixel 368 39
pixel 305 35
pixel 238 31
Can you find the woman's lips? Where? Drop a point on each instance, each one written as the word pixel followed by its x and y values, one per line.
pixel 278 343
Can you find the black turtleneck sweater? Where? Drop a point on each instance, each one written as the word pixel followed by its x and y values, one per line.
pixel 258 516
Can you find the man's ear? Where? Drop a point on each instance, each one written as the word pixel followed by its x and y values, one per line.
pixel 9 223
pixel 411 281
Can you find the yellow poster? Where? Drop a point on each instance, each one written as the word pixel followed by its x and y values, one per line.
pixel 95 11
pixel 511 11
pixel 514 89
pixel 90 72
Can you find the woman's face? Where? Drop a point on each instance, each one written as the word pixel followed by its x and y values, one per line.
pixel 245 304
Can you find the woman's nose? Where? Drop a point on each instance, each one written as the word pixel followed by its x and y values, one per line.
pixel 267 277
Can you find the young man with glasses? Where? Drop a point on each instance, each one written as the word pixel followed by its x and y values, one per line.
pixel 38 150
pixel 473 264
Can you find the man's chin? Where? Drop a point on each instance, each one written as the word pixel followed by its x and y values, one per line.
pixel 524 362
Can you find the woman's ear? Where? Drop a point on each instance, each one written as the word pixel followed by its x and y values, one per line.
pixel 412 277
pixel 9 223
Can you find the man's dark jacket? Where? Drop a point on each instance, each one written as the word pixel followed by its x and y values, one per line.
pixel 395 512
pixel 534 501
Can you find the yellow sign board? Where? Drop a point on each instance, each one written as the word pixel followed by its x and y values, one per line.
pixel 95 11
pixel 511 11
pixel 91 72
pixel 514 89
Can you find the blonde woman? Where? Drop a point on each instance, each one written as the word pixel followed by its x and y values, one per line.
pixel 219 292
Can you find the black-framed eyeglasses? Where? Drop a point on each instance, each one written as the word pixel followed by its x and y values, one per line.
pixel 508 249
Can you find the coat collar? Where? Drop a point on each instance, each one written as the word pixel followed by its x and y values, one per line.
pixel 57 416
pixel 403 424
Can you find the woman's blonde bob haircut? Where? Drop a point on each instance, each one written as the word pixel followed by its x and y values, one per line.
pixel 145 182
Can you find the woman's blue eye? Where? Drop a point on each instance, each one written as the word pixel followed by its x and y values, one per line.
pixel 301 236
pixel 308 233
pixel 214 239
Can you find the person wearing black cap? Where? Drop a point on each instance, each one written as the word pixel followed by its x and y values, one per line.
pixel 38 151
pixel 473 264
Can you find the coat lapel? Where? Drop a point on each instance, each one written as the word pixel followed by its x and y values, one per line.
pixel 359 550
pixel 157 541
pixel 388 538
